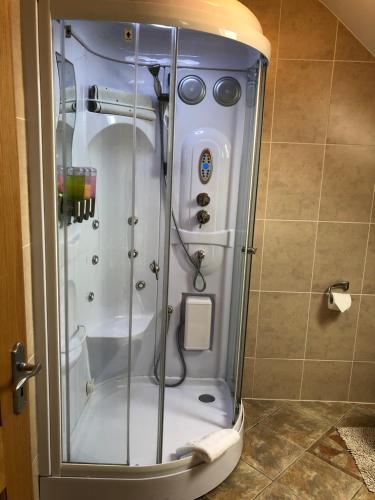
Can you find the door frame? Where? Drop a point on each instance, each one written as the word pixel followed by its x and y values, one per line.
pixel 15 435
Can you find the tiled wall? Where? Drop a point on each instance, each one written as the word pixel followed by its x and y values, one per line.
pixel 315 214
pixel 26 241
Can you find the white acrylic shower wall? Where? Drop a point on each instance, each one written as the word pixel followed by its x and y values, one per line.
pixel 219 128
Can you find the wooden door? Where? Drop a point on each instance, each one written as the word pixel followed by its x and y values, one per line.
pixel 15 453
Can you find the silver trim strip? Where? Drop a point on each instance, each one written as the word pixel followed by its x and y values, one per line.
pixel 254 165
pixel 168 210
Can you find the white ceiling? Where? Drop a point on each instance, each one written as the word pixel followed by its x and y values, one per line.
pixel 358 16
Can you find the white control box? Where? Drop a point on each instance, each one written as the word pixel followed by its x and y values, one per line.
pixel 198 315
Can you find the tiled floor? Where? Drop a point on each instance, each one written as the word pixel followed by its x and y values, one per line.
pixel 293 451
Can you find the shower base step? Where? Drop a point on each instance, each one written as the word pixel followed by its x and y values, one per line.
pixel 100 436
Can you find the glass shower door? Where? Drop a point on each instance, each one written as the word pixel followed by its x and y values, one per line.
pixel 94 179
pixel 149 234
pixel 243 249
pixel 113 205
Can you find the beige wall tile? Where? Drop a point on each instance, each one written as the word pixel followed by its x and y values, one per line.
pixel 348 183
pixel 268 14
pixel 257 258
pixel 340 255
pixel 326 380
pixel 331 334
pixel 247 381
pixel 28 300
pixel 365 343
pixel 288 256
pixel 301 101
pixel 24 190
pixel 349 48
pixel 252 321
pixel 277 378
pixel 362 387
pixel 294 181
pixel 282 325
pixel 352 112
pixel 262 181
pixel 307 30
pixel 369 280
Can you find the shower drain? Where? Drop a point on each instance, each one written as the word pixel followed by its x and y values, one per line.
pixel 206 398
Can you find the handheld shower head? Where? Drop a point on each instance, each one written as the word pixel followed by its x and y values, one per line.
pixel 154 70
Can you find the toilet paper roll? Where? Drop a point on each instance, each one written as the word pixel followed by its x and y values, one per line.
pixel 339 301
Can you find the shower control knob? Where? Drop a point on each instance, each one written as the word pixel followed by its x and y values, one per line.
pixel 203 199
pixel 140 285
pixel 203 217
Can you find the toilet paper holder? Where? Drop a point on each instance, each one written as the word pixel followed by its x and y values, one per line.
pixel 344 285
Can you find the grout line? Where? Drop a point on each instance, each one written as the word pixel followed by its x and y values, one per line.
pixel 317 220
pixel 315 360
pixel 312 292
pixel 326 60
pixel 360 297
pixel 295 143
pixel 319 206
pixel 266 195
pixel 336 144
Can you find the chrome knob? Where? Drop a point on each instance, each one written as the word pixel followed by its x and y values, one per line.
pixel 140 285
pixel 203 217
pixel 133 220
pixel 203 199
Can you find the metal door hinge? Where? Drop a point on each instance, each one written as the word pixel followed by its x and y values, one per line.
pixel 249 250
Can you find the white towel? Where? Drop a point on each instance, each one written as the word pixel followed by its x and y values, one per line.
pixel 211 446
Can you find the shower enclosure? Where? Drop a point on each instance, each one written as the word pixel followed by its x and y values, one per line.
pixel 150 131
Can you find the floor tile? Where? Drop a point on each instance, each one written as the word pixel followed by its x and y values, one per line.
pixel 267 451
pixel 312 478
pixel 256 409
pixel 358 416
pixel 364 494
pixel 330 411
pixel 244 483
pixel 301 427
pixel 277 491
pixel 332 449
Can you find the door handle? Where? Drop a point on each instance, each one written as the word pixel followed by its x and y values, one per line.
pixel 21 373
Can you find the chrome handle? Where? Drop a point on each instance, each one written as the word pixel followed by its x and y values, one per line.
pixel 30 370
pixel 21 373
pixel 155 268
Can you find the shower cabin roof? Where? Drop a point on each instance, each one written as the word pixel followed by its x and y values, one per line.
pixel 227 18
